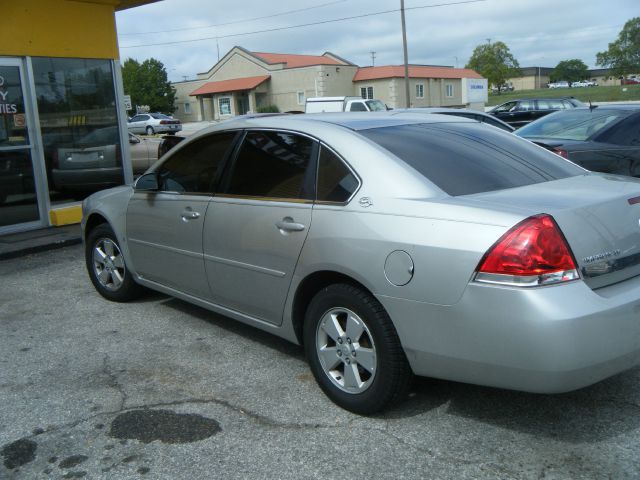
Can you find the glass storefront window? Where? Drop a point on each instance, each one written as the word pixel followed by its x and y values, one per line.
pixel 79 124
pixel 18 201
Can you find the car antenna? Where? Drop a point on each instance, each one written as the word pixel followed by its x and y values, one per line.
pixel 591 106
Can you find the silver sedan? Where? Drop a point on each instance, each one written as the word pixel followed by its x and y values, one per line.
pixel 387 245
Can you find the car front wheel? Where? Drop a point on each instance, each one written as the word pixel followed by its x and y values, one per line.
pixel 354 351
pixel 107 268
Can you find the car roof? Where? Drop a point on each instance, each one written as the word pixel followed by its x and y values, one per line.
pixel 351 120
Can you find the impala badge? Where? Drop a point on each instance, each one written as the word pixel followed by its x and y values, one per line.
pixel 366 202
pixel 600 256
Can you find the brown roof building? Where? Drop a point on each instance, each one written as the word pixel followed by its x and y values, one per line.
pixel 244 81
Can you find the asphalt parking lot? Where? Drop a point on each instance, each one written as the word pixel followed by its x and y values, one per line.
pixel 162 389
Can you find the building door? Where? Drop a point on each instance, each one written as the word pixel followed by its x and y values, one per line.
pixel 20 203
pixel 242 103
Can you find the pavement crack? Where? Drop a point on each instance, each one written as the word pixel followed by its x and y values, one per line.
pixel 113 381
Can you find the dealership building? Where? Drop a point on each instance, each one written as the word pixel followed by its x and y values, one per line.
pixel 244 81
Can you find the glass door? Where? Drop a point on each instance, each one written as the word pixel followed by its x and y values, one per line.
pixel 19 207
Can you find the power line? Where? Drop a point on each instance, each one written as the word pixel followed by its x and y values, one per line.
pixel 288 12
pixel 290 27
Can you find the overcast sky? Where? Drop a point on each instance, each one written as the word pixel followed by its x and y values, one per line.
pixel 538 32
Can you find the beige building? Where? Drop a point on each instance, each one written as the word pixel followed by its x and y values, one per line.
pixel 428 86
pixel 244 81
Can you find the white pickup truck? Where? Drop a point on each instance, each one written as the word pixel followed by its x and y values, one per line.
pixel 343 104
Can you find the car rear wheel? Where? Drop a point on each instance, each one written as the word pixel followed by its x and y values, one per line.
pixel 354 351
pixel 150 130
pixel 106 266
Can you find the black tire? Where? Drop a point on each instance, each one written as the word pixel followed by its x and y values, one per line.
pixel 150 130
pixel 391 375
pixel 110 277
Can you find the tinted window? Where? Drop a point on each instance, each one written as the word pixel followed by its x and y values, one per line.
pixel 572 124
pixel 627 132
pixel 273 164
pixel 336 183
pixel 525 106
pixel 357 107
pixel 194 168
pixel 506 107
pixel 465 158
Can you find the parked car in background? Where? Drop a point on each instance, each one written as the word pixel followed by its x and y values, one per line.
pixel 144 152
pixel 343 104
pixel 95 161
pixel 439 246
pixel 584 83
pixel 605 138
pixel 560 84
pixel 458 112
pixel 91 163
pixel 630 81
pixel 151 123
pixel 520 112
pixel 507 87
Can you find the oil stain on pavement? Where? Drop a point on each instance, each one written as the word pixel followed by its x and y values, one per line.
pixel 19 453
pixel 167 426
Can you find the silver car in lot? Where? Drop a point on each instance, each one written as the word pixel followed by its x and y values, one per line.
pixel 387 245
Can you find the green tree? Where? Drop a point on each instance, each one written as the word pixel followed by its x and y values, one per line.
pixel 495 62
pixel 570 70
pixel 623 55
pixel 147 84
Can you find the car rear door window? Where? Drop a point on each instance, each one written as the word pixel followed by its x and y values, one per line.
pixel 525 106
pixel 626 132
pixel 194 168
pixel 275 165
pixel 336 183
pixel 466 158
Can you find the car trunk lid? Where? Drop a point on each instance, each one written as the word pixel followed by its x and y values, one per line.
pixel 599 216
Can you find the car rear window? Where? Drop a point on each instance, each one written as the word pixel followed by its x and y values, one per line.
pixel 572 124
pixel 466 158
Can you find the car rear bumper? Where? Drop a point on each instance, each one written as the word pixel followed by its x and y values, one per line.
pixel 546 340
pixel 167 128
pixel 87 179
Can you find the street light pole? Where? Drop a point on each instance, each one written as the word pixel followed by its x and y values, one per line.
pixel 406 55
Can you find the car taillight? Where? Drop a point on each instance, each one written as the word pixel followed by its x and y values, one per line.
pixel 562 152
pixel 532 253
pixel 164 122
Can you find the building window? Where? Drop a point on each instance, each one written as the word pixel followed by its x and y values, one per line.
pixel 366 93
pixel 79 126
pixel 419 90
pixel 187 108
pixel 301 98
pixel 224 103
pixel 449 88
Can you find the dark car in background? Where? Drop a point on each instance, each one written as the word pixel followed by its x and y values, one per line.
pixel 520 112
pixel 460 112
pixel 600 138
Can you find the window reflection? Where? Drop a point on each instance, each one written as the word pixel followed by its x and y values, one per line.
pixel 78 120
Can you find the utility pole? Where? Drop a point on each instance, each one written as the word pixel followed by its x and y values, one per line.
pixel 218 48
pixel 373 59
pixel 406 55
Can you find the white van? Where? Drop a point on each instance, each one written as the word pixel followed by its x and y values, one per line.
pixel 342 104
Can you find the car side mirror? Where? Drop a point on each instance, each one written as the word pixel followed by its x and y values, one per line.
pixel 147 183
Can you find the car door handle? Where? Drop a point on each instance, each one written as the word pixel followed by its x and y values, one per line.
pixel 288 225
pixel 189 214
